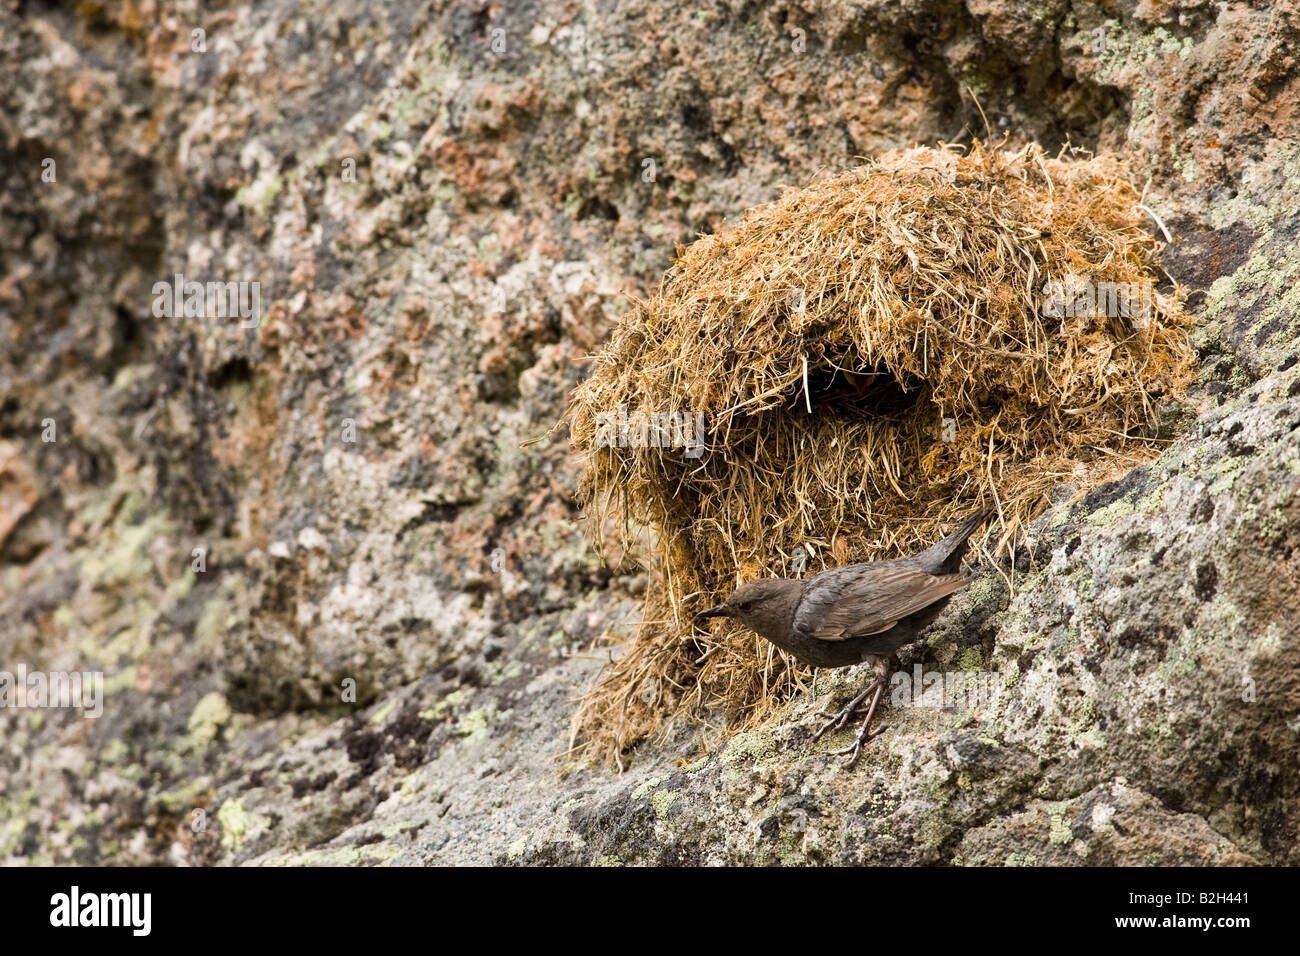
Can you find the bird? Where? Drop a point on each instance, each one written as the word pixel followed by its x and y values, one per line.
pixel 858 612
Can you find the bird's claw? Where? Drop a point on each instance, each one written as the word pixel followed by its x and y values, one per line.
pixel 866 734
pixel 855 749
pixel 839 720
pixel 834 723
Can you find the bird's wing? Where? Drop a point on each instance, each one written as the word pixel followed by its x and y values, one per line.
pixel 857 600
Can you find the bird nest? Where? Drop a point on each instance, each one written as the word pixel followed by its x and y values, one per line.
pixel 846 372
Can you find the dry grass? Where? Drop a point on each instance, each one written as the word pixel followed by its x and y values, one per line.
pixel 921 278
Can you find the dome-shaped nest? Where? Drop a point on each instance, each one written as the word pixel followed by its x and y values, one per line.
pixel 846 372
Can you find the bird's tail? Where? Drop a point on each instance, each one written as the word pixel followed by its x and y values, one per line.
pixel 945 556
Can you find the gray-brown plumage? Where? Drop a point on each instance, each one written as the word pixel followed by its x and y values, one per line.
pixel 859 612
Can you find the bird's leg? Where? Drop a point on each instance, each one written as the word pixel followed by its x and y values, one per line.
pixel 836 722
pixel 865 735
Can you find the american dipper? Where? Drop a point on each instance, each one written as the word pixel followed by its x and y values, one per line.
pixel 859 612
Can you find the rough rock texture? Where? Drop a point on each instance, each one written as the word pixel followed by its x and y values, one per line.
pixel 443 219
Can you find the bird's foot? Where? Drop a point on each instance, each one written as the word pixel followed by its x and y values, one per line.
pixel 866 734
pixel 855 749
pixel 838 721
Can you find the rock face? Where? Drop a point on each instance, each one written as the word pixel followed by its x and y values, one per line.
pixel 442 205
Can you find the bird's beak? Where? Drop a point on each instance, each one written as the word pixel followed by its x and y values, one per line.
pixel 720 611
